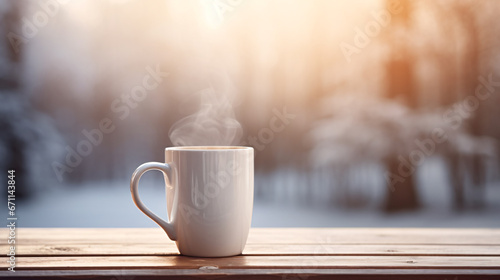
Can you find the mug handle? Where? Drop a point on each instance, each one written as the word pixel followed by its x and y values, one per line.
pixel 168 227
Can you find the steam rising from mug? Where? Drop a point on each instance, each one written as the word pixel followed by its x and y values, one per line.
pixel 213 125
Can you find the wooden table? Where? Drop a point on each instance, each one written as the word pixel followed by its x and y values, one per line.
pixel 275 253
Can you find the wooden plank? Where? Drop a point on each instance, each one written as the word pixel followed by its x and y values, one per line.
pixel 125 249
pixel 136 274
pixel 256 262
pixel 56 232
pixel 31 236
pixel 283 252
pixel 379 236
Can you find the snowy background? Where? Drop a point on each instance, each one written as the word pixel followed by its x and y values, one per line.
pixel 375 113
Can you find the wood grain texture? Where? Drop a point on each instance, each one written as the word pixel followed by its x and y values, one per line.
pixel 146 249
pixel 283 274
pixel 275 253
pixel 415 236
pixel 260 262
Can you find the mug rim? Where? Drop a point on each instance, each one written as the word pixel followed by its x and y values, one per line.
pixel 207 148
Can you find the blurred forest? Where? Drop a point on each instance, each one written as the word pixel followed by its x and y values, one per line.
pixel 375 92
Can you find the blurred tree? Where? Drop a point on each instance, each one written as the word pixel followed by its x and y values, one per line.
pixel 400 86
pixel 472 27
pixel 28 142
pixel 467 12
pixel 10 16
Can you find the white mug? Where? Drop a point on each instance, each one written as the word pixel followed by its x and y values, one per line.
pixel 209 198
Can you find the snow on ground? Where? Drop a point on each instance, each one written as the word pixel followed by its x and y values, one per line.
pixel 102 204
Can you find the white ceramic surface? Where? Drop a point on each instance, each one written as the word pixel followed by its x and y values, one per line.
pixel 209 198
